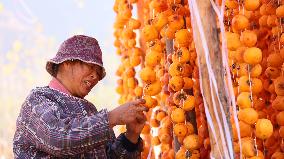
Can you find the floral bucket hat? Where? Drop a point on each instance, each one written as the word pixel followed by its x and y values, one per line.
pixel 78 47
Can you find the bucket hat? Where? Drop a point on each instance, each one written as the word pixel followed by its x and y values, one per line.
pixel 78 47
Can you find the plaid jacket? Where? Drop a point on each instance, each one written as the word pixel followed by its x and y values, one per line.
pixel 53 124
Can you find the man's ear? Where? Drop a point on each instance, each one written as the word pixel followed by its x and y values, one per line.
pixel 64 66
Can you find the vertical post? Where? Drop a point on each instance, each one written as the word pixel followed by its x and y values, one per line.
pixel 216 98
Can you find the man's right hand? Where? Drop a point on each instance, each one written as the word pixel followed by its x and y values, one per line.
pixel 127 113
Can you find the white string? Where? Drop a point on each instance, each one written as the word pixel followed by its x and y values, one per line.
pixel 226 65
pixel 205 47
pixel 210 71
pixel 229 78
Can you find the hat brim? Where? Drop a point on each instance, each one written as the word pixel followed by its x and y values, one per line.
pixel 52 64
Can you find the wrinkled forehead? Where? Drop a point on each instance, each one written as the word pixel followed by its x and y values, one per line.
pixel 92 66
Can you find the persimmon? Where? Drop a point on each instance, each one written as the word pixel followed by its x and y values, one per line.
pixel 131 43
pixel 119 89
pixel 181 153
pixel 263 128
pixel 136 51
pixel 236 147
pixel 174 2
pixel 127 34
pixel 232 4
pixel 256 70
pixel 248 147
pixel 182 38
pixel 180 129
pixel 153 58
pixel 244 100
pixel 154 123
pixel 278 103
pixel 122 17
pixel 251 5
pixel 132 82
pixel 272 72
pixel 160 20
pixel 245 129
pixel 155 45
pixel 186 70
pixel 280 118
pixel 245 83
pixel 279 85
pixel 272 21
pixel 176 69
pixel 155 141
pixel 274 60
pixel 277 155
pixel 248 38
pixel 158 5
pixel 146 129
pixel 149 32
pixel 252 55
pixel 188 83
pixel 280 11
pixel 176 83
pixel 130 72
pixel 180 139
pixel 182 55
pixel 245 69
pixel 257 86
pixel 167 32
pixel 160 115
pixel 281 40
pixel 240 53
pixel 181 10
pixel 169 154
pixel 134 60
pixel 166 122
pixel 189 103
pixel 165 138
pixel 175 22
pixel 190 128
pixel 191 142
pixel 268 9
pixel 282 53
pixel 263 20
pixel 147 75
pixel 281 131
pixel 259 155
pixel 195 155
pixel 133 23
pixel 233 40
pixel 153 88
pixel 248 115
pixel 178 115
pixel 240 22
pixel 150 101
pixel 179 97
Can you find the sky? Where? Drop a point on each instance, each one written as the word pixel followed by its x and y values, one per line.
pixel 30 34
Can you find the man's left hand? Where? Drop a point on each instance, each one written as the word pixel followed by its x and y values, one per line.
pixel 134 129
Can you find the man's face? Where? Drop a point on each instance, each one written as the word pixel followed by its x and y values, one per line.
pixel 84 77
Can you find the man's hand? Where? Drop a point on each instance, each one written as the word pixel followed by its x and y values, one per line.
pixel 127 113
pixel 134 129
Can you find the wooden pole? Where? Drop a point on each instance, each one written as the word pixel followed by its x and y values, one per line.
pixel 221 146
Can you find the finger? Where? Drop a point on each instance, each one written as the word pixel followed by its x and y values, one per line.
pixel 141 108
pixel 141 118
pixel 138 101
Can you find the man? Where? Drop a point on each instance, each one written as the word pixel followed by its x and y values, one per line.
pixel 57 122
